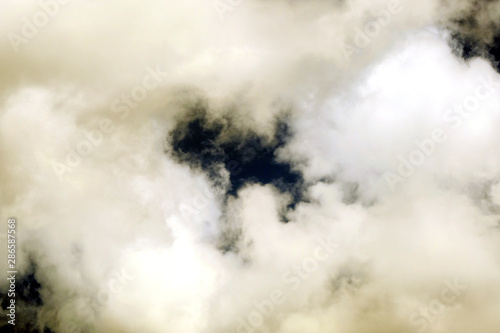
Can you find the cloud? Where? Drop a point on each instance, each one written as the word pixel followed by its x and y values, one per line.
pixel 245 191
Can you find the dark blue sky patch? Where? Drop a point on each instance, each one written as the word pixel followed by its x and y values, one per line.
pixel 469 39
pixel 208 143
pixel 28 303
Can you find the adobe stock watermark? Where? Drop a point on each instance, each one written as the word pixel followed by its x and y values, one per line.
pixel 121 107
pixel 87 315
pixel 428 314
pixel 365 36
pixel 427 147
pixel 32 26
pixel 293 278
pixel 223 6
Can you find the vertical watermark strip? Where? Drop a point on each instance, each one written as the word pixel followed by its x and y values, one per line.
pixel 11 269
